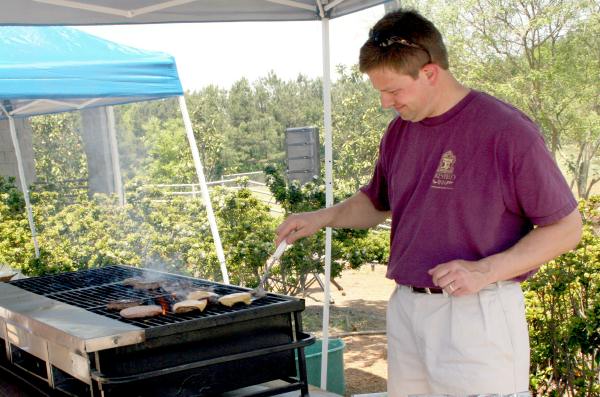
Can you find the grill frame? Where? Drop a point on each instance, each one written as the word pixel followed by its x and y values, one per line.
pixel 160 325
pixel 261 338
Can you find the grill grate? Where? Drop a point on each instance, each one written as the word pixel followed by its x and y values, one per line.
pixel 92 289
pixel 49 284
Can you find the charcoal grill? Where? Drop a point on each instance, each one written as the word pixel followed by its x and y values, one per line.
pixel 56 331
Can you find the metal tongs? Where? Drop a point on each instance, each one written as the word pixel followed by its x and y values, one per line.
pixel 259 292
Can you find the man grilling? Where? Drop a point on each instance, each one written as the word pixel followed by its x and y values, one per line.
pixel 477 205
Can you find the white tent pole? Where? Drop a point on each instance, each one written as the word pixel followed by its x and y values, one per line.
pixel 114 154
pixel 21 170
pixel 203 187
pixel 328 194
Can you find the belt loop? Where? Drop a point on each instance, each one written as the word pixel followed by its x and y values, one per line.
pixel 428 291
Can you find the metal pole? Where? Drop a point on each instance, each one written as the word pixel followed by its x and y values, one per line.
pixel 328 194
pixel 24 189
pixel 203 188
pixel 114 154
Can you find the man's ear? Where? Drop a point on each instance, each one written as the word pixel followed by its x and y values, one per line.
pixel 431 72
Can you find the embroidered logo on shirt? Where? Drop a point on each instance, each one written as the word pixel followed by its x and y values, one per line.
pixel 444 176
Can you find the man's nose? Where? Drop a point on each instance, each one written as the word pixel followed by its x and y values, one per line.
pixel 387 100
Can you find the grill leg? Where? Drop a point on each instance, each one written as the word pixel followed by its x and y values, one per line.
pixel 301 358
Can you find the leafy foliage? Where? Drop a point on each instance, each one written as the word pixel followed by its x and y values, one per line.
pixel 247 231
pixel 13 198
pixel 169 159
pixel 543 57
pixel 58 148
pixel 15 237
pixel 152 230
pixel 563 310
pixel 352 247
pixel 358 122
pixel 211 125
pixel 131 120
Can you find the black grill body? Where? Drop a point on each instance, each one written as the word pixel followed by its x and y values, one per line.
pixel 192 354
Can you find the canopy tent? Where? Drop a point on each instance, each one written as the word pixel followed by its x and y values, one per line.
pixel 114 12
pixel 54 69
pixel 95 12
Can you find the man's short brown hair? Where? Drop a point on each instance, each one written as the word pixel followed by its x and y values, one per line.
pixel 404 41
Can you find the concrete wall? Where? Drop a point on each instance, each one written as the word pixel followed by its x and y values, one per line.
pixel 8 158
pixel 97 148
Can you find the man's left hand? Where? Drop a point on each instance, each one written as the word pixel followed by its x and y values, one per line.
pixel 460 277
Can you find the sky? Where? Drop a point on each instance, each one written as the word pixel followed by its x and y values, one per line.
pixel 222 53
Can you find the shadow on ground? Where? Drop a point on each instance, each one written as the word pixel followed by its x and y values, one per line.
pixel 365 351
pixel 355 315
pixel 359 381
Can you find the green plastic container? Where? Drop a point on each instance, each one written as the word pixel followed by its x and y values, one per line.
pixel 336 382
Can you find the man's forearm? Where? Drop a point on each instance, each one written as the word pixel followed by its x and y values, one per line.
pixel 356 212
pixel 539 246
pixel 462 277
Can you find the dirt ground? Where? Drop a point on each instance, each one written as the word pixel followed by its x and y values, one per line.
pixel 359 307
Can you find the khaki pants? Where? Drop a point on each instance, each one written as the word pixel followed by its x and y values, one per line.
pixel 476 344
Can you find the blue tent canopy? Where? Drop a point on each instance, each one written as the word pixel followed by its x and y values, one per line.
pixel 52 69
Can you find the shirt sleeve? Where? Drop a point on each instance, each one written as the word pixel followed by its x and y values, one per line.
pixel 377 189
pixel 538 189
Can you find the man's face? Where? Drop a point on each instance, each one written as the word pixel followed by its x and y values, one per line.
pixel 408 96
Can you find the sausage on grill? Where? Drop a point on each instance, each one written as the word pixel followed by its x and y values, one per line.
pixel 140 283
pixel 141 311
pixel 123 304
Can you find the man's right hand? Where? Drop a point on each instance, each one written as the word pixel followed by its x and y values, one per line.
pixel 300 225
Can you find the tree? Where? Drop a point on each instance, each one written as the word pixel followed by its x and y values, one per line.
pixel 539 55
pixel 58 148
pixel 255 139
pixel 294 103
pixel 358 124
pixel 581 52
pixel 208 112
pixel 169 159
pixel 130 120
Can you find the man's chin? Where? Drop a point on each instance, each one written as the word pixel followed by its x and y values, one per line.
pixel 408 117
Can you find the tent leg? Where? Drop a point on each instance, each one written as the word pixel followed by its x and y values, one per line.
pixel 24 189
pixel 114 154
pixel 328 194
pixel 204 188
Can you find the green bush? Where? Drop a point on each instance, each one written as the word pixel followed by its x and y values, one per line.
pixel 246 229
pixel 563 311
pixel 349 247
pixel 169 233
pixel 12 197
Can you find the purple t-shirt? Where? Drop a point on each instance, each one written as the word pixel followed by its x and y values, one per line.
pixel 464 185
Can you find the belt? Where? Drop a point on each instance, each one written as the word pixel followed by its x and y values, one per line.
pixel 425 290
